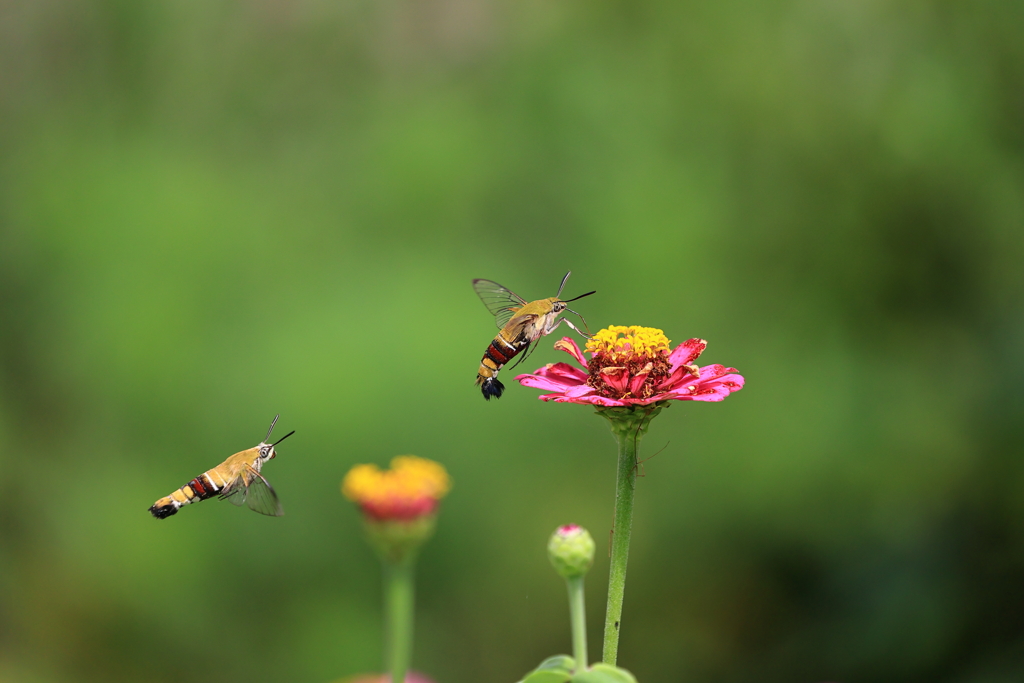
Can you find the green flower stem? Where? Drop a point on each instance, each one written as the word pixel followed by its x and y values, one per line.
pixel 578 619
pixel 628 426
pixel 625 487
pixel 397 543
pixel 398 606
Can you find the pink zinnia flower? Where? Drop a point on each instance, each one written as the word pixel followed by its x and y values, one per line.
pixel 636 368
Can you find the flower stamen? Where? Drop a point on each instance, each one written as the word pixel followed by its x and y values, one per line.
pixel 628 362
pixel 636 342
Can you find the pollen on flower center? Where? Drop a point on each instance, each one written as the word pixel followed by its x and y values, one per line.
pixel 628 362
pixel 635 343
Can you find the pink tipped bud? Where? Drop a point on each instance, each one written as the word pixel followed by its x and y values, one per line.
pixel 571 550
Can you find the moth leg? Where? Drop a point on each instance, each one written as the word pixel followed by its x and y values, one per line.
pixel 527 350
pixel 569 323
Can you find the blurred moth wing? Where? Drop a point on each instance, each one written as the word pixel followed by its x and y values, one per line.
pixel 250 488
pixel 520 324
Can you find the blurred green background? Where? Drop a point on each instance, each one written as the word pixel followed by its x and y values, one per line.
pixel 214 212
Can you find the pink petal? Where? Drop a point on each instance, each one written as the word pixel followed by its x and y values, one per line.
pixel 577 391
pixel 638 381
pixel 714 371
pixel 687 352
pixel 592 399
pixel 554 377
pixel 618 381
pixel 733 381
pixel 574 394
pixel 716 392
pixel 564 371
pixel 569 346
pixel 680 375
pixel 544 383
pixel 650 399
pixel 720 382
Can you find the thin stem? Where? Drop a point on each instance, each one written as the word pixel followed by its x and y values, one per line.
pixel 625 485
pixel 578 619
pixel 398 606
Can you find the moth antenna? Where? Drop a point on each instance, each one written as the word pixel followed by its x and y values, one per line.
pixel 563 284
pixel 271 428
pixel 283 438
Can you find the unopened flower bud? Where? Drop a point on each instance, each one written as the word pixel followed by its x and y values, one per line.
pixel 571 550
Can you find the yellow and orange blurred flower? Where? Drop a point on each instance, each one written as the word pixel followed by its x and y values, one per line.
pixel 409 490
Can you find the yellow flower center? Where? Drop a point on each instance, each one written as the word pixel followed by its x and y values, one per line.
pixel 409 479
pixel 628 362
pixel 635 343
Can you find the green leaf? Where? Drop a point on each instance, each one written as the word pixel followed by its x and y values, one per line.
pixel 564 662
pixel 603 673
pixel 557 669
pixel 548 676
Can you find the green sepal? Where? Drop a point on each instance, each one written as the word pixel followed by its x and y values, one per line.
pixel 557 669
pixel 398 541
pixel 603 673
pixel 632 420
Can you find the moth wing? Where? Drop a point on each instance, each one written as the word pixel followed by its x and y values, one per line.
pixel 519 329
pixel 261 497
pixel 502 302
pixel 235 492
pixel 257 494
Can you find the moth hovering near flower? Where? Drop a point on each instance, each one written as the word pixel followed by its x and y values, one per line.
pixel 237 480
pixel 521 324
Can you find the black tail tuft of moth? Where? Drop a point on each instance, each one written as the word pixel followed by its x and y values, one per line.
pixel 163 511
pixel 491 387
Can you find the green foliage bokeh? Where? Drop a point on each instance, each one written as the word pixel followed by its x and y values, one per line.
pixel 214 212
